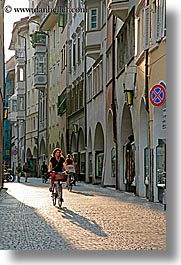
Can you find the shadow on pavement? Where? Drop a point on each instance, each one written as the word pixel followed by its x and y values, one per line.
pixel 81 221
pixel 22 228
pixel 82 193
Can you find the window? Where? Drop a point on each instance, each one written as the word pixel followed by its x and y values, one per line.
pixel 21 103
pixel 103 13
pixel 14 105
pixel 81 94
pixel 158 20
pixel 34 123
pixel 74 54
pixel 21 76
pixel 63 58
pixel 98 78
pixel 95 81
pixel 41 64
pixel 76 97
pixel 89 94
pixel 78 49
pixel 93 19
pixel 70 58
pixel 61 107
pixel 126 42
pixel 146 32
pixel 54 38
pixel 109 63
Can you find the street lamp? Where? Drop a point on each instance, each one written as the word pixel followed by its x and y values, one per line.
pixel 75 128
pixel 129 95
pixel 5 113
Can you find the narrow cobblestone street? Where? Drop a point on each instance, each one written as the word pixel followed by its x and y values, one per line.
pixel 91 218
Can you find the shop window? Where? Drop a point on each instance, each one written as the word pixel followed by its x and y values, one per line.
pixel 82 163
pixel 90 164
pixel 99 163
pixel 146 165
pixel 129 163
pixel 113 161
pixel 161 163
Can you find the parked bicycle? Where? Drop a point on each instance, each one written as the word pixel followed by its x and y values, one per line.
pixel 9 175
pixel 57 188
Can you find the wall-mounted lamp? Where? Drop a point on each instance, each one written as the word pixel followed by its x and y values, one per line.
pixel 129 93
pixel 5 113
pixel 75 128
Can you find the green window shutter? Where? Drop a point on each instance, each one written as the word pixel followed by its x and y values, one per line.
pixel 61 107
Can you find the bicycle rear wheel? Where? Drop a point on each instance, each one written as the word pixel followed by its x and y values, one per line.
pixel 54 196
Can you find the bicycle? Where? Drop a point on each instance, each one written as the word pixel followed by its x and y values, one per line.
pixel 70 180
pixel 57 189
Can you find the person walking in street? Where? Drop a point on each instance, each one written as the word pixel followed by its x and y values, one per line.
pixel 56 164
pixel 26 171
pixel 19 171
pixel 44 169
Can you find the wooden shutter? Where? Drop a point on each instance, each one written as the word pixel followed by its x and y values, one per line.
pixel 146 28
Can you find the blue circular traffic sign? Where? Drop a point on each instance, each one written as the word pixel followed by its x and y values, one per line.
pixel 157 95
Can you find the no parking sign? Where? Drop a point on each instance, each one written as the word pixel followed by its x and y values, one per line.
pixel 157 95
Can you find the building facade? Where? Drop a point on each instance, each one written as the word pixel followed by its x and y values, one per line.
pixel 9 91
pixel 1 86
pixel 94 70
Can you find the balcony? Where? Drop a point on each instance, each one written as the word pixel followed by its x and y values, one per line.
pixel 40 81
pixel 20 88
pixel 48 20
pixel 93 43
pixel 119 8
pixel 12 112
pixel 20 56
pixel 12 117
pixel 38 39
pixel 40 73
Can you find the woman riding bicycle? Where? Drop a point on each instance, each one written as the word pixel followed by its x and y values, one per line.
pixel 69 165
pixel 56 164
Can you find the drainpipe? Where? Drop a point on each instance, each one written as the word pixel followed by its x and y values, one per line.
pixel 150 125
pixel 85 85
pixel 113 97
pixel 67 89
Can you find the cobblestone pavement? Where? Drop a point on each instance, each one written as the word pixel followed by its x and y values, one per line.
pixel 91 218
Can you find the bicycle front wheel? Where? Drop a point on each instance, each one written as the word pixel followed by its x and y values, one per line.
pixel 60 199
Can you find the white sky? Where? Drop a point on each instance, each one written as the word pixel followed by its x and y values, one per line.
pixel 9 19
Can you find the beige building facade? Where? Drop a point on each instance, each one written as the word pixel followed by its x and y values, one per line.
pixel 1 87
